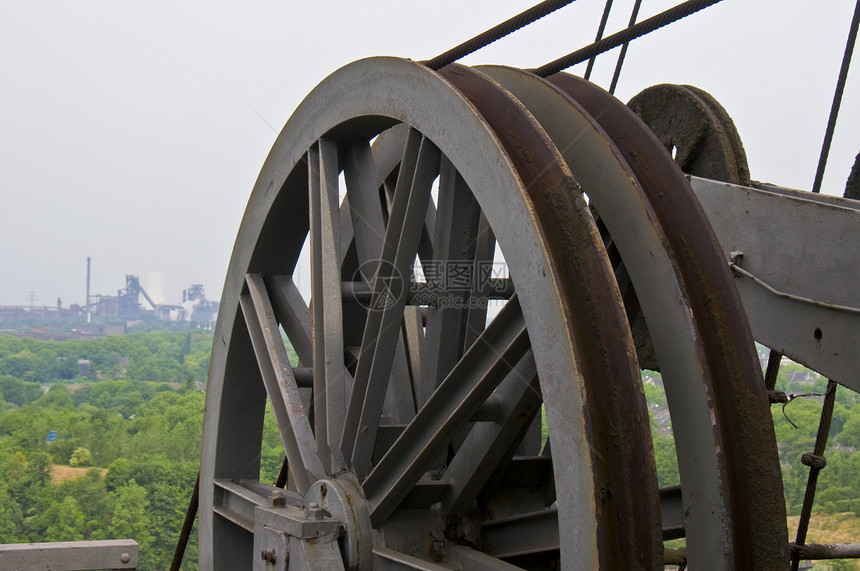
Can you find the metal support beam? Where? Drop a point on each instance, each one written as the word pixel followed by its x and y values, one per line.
pixel 798 271
pixel 70 555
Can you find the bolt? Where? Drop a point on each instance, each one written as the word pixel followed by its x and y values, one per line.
pixel 438 548
pixel 314 511
pixel 278 500
pixel 125 557
pixel 268 556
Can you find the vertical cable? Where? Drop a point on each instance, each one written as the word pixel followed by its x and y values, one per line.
pixel 816 463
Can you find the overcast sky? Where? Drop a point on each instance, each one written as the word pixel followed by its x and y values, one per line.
pixel 132 131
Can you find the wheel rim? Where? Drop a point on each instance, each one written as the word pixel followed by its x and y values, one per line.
pixel 383 92
pixel 715 441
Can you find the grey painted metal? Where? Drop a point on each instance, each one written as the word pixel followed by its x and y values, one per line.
pixel 474 560
pixel 411 196
pixel 385 559
pixel 271 548
pixel 296 434
pixel 70 555
pixel 292 312
pixel 460 395
pixel 330 383
pixel 536 531
pixel 315 555
pixel 236 503
pixel 383 91
pixel 801 244
pixel 518 402
pixel 344 500
pixel 613 189
pixel 524 533
pixel 296 522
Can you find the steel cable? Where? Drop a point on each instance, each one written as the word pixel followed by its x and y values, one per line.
pixel 644 27
pixel 772 371
pixel 187 526
pixel 814 469
pixel 837 99
pixel 633 15
pixel 830 395
pixel 600 29
pixel 508 26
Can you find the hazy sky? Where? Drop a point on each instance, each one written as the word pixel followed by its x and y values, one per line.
pixel 132 131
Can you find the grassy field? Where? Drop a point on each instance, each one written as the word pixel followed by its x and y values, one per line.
pixel 60 474
pixel 829 528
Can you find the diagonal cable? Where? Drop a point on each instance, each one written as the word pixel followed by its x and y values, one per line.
pixel 486 38
pixel 644 27
pixel 837 99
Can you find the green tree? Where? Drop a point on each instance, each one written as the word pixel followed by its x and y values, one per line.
pixel 10 517
pixel 81 457
pixel 17 391
pixel 850 434
pixel 57 396
pixel 130 519
pixel 64 521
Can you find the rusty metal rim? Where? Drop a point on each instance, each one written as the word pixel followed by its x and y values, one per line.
pixel 623 459
pixel 743 419
pixel 615 193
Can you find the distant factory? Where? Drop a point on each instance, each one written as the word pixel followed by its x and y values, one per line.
pixel 125 305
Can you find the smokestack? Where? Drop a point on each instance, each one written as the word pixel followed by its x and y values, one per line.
pixel 88 289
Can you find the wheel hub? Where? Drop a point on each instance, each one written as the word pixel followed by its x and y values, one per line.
pixel 344 500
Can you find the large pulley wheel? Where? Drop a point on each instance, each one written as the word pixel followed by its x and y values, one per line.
pixel 407 422
pixel 411 422
pixel 696 130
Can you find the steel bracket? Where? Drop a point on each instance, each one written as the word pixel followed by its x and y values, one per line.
pixel 281 535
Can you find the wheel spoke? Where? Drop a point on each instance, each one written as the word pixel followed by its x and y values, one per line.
pixel 368 228
pixel 364 207
pixel 457 216
pixel 330 378
pixel 387 154
pixel 413 337
pixel 293 315
pixel 391 560
pixel 417 171
pixel 456 400
pixel 488 444
pixel 485 248
pixel 474 560
pixel 280 383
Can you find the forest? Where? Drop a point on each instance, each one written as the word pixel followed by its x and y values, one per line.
pixel 100 439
